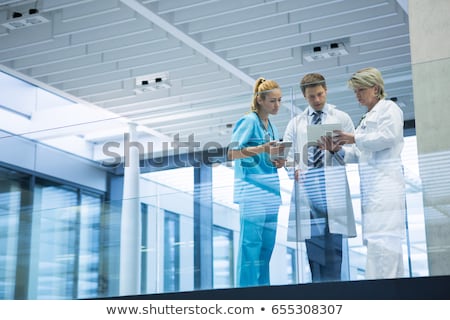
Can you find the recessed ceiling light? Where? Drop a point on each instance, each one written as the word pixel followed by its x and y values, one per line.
pixel 23 21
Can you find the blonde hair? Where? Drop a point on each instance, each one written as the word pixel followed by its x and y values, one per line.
pixel 261 88
pixel 368 78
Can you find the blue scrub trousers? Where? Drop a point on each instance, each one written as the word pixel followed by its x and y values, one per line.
pixel 257 239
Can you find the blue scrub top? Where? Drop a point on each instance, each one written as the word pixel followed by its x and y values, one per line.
pixel 258 169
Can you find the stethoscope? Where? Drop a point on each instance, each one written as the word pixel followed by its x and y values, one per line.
pixel 362 122
pixel 269 135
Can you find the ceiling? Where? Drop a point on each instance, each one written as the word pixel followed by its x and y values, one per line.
pixel 212 51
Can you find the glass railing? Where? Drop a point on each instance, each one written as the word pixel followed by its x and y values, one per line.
pixel 68 242
pixel 68 231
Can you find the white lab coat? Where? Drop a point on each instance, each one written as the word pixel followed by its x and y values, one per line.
pixel 379 143
pixel 340 210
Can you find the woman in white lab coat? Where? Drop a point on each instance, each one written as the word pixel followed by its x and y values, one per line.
pixel 377 146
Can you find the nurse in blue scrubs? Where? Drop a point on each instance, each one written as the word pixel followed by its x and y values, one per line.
pixel 257 185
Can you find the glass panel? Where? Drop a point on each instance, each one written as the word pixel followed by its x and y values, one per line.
pixel 145 247
pixel 89 242
pixel 171 252
pixel 168 232
pixel 414 247
pixel 150 244
pixel 291 257
pixel 354 249
pixel 11 193
pixel 414 244
pixel 74 244
pixel 57 223
pixel 223 261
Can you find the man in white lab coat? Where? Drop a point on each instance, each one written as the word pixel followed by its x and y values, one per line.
pixel 321 211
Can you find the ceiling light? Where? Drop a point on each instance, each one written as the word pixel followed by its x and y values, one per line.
pixel 152 82
pixel 20 20
pixel 324 51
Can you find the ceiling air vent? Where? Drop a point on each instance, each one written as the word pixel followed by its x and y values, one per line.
pixel 152 82
pixel 22 20
pixel 324 51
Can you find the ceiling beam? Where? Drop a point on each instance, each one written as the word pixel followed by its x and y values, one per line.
pixel 404 5
pixel 177 33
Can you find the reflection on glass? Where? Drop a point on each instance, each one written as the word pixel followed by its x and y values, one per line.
pixel 55 249
pixel 11 192
pixel 68 246
pixel 171 252
pixel 89 239
pixel 223 262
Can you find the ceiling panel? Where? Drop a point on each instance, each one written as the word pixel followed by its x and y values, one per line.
pixel 212 50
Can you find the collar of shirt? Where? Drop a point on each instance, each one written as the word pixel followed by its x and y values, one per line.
pixel 324 112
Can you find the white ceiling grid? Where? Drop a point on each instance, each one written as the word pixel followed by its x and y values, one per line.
pixel 213 51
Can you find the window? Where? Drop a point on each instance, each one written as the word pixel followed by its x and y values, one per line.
pixel 171 252
pixel 223 260
pixel 89 245
pixel 55 240
pixel 57 253
pixel 144 246
pixel 13 188
pixel 291 265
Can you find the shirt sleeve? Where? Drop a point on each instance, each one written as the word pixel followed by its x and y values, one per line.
pixel 242 133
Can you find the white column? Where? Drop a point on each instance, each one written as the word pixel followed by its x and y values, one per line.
pixel 130 229
pixel 429 27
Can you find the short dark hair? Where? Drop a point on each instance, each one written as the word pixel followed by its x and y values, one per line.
pixel 312 80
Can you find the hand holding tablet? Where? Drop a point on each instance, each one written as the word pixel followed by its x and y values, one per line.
pixel 314 132
pixel 280 150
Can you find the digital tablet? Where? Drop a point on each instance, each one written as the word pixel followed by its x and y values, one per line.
pixel 314 132
pixel 286 144
pixel 282 154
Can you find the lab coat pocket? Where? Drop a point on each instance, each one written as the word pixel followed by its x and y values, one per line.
pixel 369 125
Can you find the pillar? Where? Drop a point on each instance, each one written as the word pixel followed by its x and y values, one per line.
pixel 130 227
pixel 430 58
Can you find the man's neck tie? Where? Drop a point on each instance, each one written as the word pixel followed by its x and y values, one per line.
pixel 315 154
